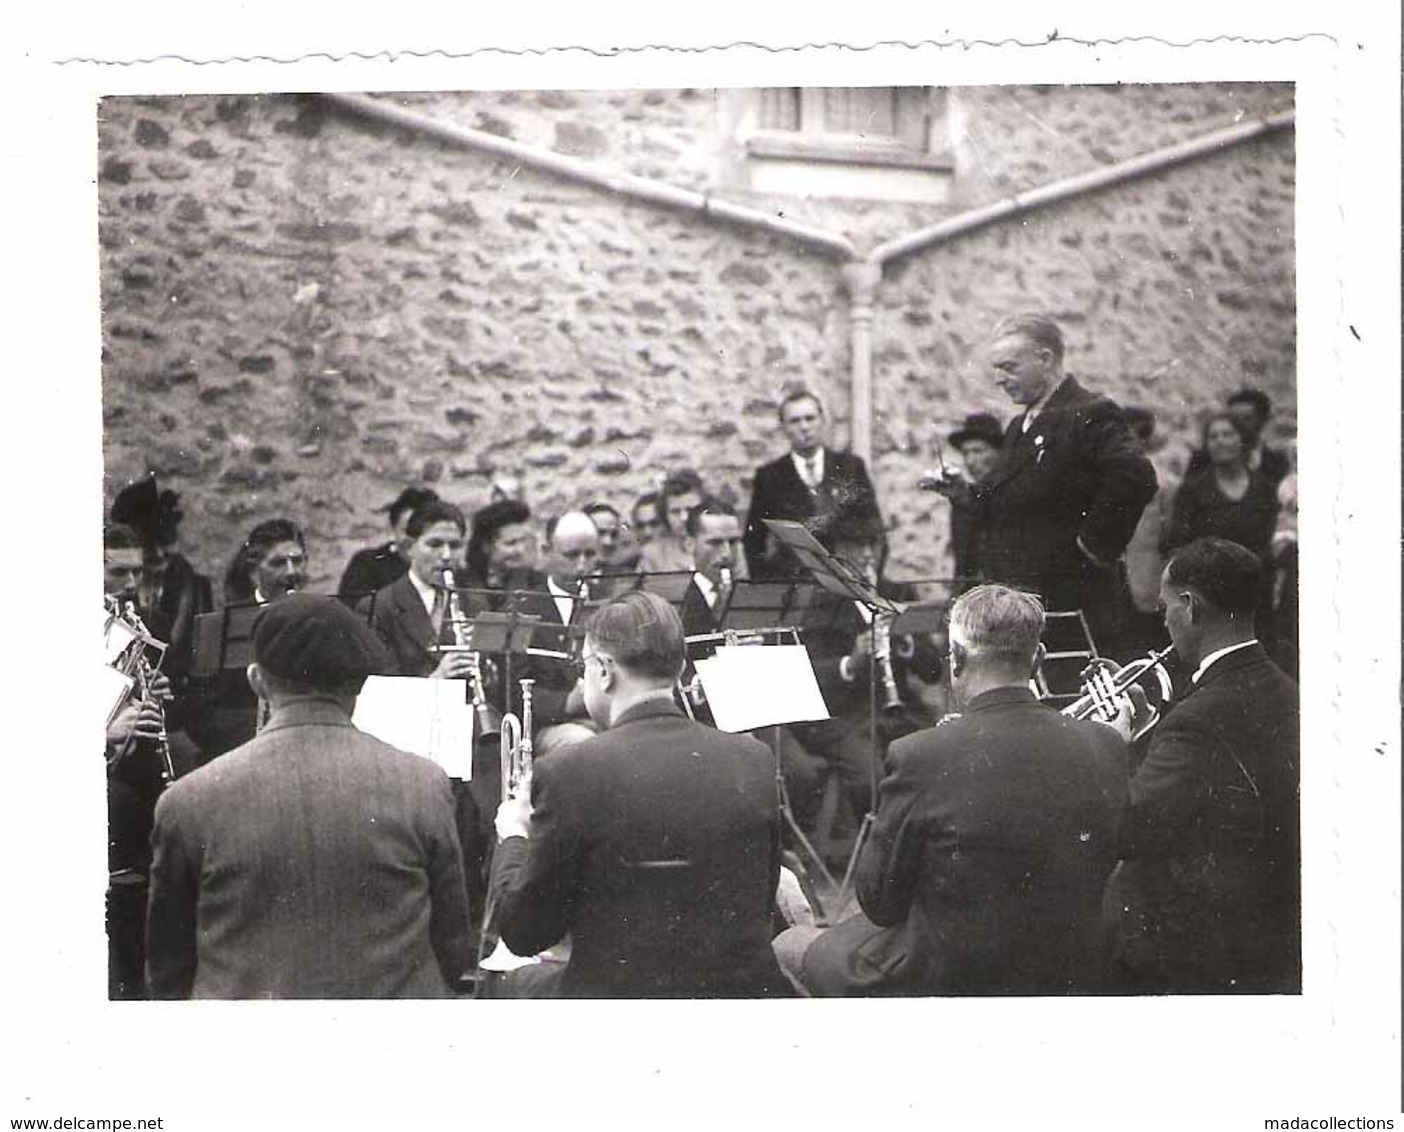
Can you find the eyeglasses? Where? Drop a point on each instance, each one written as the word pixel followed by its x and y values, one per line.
pixel 577 666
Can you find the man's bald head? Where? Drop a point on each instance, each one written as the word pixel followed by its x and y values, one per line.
pixel 572 548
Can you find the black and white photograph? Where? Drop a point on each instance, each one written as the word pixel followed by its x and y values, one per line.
pixel 709 535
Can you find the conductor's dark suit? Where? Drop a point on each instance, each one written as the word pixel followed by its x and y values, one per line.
pixel 1207 897
pixel 1076 472
pixel 657 846
pixel 312 862
pixel 779 493
pixel 994 838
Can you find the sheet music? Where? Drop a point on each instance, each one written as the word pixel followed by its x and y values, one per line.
pixel 750 686
pixel 423 715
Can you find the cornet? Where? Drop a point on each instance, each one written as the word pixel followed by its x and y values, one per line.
pixel 1103 690
pixel 517 748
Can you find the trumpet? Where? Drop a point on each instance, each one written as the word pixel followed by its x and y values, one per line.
pixel 517 748
pixel 1102 690
pixel 487 720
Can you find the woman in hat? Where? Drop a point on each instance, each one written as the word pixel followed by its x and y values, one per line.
pixel 979 441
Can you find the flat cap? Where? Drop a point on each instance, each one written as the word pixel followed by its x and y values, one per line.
pixel 317 640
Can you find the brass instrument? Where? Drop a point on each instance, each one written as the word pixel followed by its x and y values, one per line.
pixel 516 770
pixel 517 747
pixel 1102 690
pixel 134 663
pixel 487 719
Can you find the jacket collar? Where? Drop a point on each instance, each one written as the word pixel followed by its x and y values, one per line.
pixel 310 710
pixel 1231 662
pixel 648 709
pixel 1001 697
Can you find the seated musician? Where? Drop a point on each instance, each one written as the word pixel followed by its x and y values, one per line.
pixel 413 618
pixel 837 633
pixel 713 539
pixel 995 834
pixel 411 615
pixel 572 556
pixel 1207 898
pixel 171 592
pixel 270 564
pixel 134 783
pixel 656 844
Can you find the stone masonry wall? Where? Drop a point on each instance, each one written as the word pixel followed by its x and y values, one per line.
pixel 303 312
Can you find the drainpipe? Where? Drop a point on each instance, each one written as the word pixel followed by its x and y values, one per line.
pixel 583 172
pixel 861 279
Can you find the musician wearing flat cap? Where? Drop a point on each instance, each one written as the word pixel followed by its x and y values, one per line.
pixel 314 861
pixel 655 844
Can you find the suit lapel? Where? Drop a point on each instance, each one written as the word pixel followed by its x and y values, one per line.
pixel 412 614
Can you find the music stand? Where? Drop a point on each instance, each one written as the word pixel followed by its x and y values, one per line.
pixel 841 578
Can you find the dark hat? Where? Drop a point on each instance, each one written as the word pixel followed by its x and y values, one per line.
pixel 980 426
pixel 317 640
pixel 153 514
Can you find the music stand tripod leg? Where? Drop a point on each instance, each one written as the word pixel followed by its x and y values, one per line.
pixel 787 814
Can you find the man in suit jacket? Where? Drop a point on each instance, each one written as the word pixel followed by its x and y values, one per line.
pixel 314 861
pixel 809 482
pixel 656 844
pixel 1207 897
pixel 994 837
pixel 412 615
pixel 1071 485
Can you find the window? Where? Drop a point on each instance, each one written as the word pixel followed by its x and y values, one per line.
pixel 880 142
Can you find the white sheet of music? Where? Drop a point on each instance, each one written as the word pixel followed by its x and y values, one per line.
pixel 420 714
pixel 750 686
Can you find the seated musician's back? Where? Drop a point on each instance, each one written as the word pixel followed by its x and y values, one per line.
pixel 655 844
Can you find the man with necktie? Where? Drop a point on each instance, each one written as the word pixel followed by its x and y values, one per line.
pixel 1060 509
pixel 808 484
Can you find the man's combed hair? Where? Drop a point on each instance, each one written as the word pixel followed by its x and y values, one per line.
pixel 709 506
pixel 642 633
pixel 238 578
pixel 1036 327
pixel 797 393
pixel 433 511
pixel 1228 576
pixel 997 623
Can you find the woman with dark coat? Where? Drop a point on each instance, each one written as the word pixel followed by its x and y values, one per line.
pixel 1226 500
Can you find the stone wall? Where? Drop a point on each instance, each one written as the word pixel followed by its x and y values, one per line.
pixel 302 312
